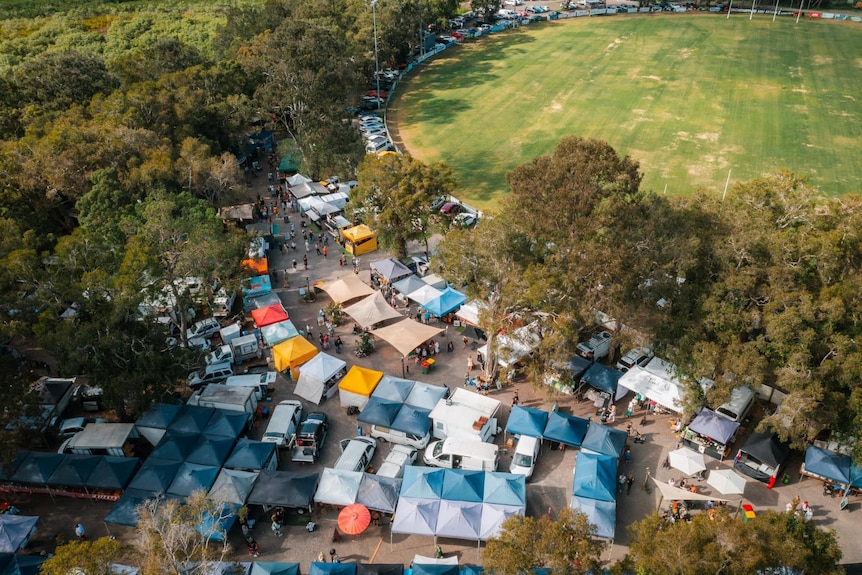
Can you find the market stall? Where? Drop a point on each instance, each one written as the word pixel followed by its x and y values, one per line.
pixel 761 457
pixel 710 434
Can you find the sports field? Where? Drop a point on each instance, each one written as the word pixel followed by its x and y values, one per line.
pixel 688 96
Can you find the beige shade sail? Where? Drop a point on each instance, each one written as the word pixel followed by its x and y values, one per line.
pixel 371 310
pixel 406 335
pixel 347 288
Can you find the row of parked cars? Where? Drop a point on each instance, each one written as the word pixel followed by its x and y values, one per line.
pixel 374 133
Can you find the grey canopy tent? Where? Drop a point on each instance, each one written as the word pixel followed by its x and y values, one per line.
pixel 15 531
pixel 761 456
pixel 338 487
pixel 378 493
pixel 474 333
pixel 710 424
pixel 390 269
pixel 409 284
pixel 285 489
pixel 233 486
pixel 393 389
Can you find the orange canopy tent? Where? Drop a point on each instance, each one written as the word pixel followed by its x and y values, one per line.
pixel 269 315
pixel 358 385
pixel 292 353
pixel 259 266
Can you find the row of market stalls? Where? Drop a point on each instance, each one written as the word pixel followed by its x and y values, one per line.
pixel 25 565
pixel 69 475
pixel 833 467
pixel 402 405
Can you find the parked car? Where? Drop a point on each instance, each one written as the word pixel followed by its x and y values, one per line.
pixel 451 209
pixel 356 453
pixel 465 219
pixel 638 356
pixel 447 39
pixel 416 264
pixel 438 203
pixel 310 438
pixel 377 147
pixel 205 328
pixel 597 347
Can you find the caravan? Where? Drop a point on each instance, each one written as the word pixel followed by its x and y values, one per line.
pixel 459 453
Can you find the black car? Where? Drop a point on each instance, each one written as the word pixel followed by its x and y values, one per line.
pixel 310 438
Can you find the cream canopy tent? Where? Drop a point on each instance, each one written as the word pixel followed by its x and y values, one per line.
pixel 371 310
pixel 407 335
pixel 424 295
pixel 347 288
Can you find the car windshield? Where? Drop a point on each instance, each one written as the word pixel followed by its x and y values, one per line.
pixel 438 449
pixel 522 460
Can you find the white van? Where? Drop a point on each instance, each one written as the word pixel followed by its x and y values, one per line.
pixel 259 381
pixel 461 453
pixel 356 454
pixel 741 402
pixel 399 437
pixel 525 456
pixel 283 423
pixel 214 373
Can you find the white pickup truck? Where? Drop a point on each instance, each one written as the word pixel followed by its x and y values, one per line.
pixel 400 457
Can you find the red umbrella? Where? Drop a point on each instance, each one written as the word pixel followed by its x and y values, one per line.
pixel 354 519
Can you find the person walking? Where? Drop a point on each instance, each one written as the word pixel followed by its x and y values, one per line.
pixel 515 399
pixel 321 557
pixel 305 261
pixel 612 414
pixel 630 480
pixel 276 527
pixel 325 251
pixel 80 533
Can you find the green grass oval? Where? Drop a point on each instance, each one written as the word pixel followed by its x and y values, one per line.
pixel 689 96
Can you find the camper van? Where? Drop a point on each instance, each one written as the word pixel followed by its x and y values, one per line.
pixel 460 453
pixel 399 437
pixel 356 454
pixel 741 402
pixel 465 414
pixel 283 423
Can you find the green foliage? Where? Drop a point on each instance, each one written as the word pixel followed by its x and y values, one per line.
pixel 56 80
pixel 90 557
pixel 334 312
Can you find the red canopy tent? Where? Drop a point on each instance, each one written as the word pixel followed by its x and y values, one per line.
pixel 269 315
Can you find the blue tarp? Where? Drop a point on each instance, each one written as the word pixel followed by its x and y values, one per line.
pixel 113 472
pixel 155 475
pixel 828 464
pixel 175 446
pixel 604 440
pixel 565 429
pixel 191 419
pixel 226 424
pixel 211 450
pixel 74 470
pixel 461 485
pixel 379 412
pixel 709 424
pixel 273 568
pixel 191 477
pixel 250 455
pixel 595 477
pixel 412 420
pixel 602 377
pixel 602 514
pixel 332 568
pixel 11 564
pixel 422 482
pixel 505 489
pixel 448 301
pixel 856 475
pixel 527 421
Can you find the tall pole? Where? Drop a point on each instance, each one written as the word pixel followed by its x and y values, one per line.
pixel 800 11
pixel 729 9
pixel 775 13
pixel 753 4
pixel 376 59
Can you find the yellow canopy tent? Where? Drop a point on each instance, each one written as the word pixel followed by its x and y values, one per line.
pixel 359 240
pixel 259 266
pixel 358 385
pixel 292 353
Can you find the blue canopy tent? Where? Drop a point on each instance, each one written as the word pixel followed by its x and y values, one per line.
pixel 827 464
pixel 448 301
pixel 416 516
pixel 13 564
pixel 380 412
pixel 421 569
pixel 595 476
pixel 124 510
pixel 379 569
pixel 602 514
pixel 856 475
pixel 426 396
pixel 565 429
pixel 155 475
pixel 175 446
pixel 319 568
pixel 505 489
pixel 527 421
pixel 113 472
pixel 578 365
pixel 422 482
pixel 393 389
pixel 710 424
pixel 461 485
pixel 191 477
pixel 604 440
pixel 211 450
pixel 37 467
pixel 250 455
pixel 226 424
pixel 7 471
pixel 412 420
pixel 191 419
pixel 74 470
pixel 153 423
pixel 378 493
pixel 273 568
pixel 216 528
pixel 602 377
pixel 16 531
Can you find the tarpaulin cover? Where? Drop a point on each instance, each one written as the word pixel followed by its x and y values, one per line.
pixel 113 472
pixel 565 429
pixel 360 380
pixel 269 315
pixel 379 569
pixel 233 486
pixel 416 516
pixel 828 464
pixel 409 284
pixel 338 487
pixel 37 467
pixel 74 470
pixel 193 477
pixel 226 423
pixel 449 300
pixel 710 424
pixel 602 514
pixel 379 493
pixel 332 568
pixel 155 475
pixel 604 440
pixel 292 353
pixel 250 455
pixel 459 519
pixel 393 388
pixel 285 488
pixel 426 396
pixel 422 482
pixel 314 375
pixel 276 333
pixel 595 476
pixel 347 288
pixel 273 568
pixel 390 269
pixel 14 531
pixel 527 421
pixel 371 310
pixel 379 412
pixel 412 420
pixel 462 485
pixel 406 335
pixel 602 377
pixel 504 489
pixel 175 446
pixel 191 419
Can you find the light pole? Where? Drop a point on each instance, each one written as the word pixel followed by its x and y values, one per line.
pixel 376 59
